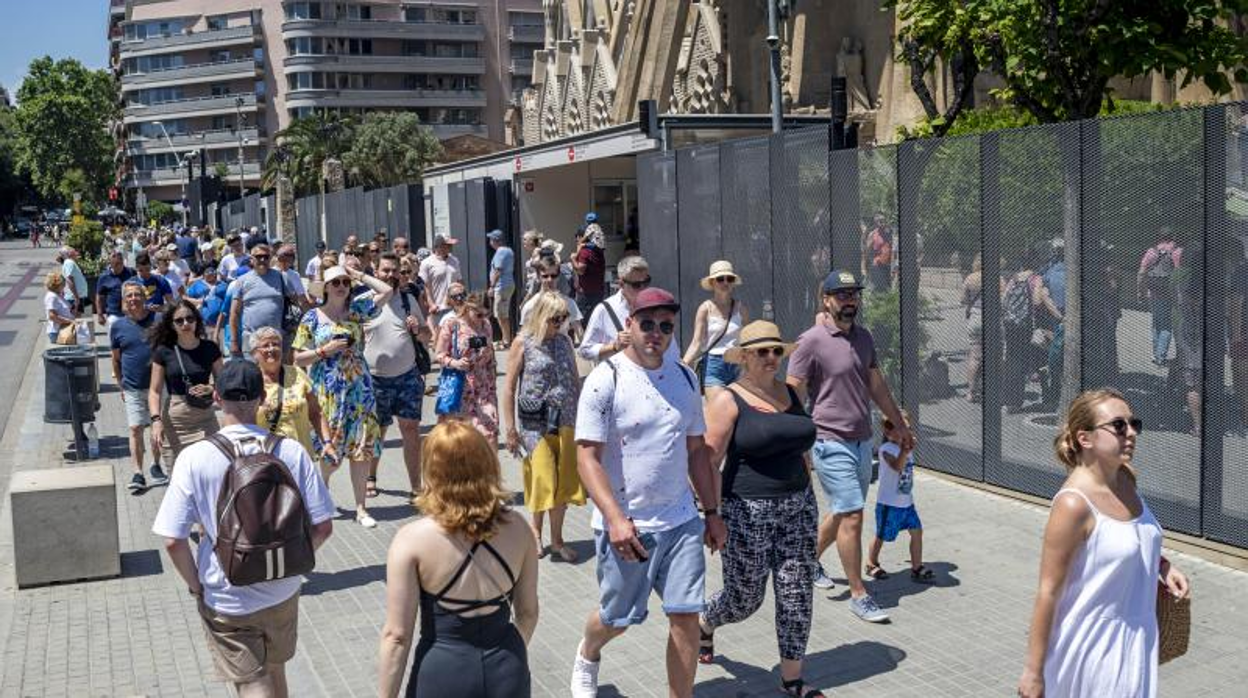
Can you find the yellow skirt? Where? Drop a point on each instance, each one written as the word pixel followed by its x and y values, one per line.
pixel 550 477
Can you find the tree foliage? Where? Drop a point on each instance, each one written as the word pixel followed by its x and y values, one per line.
pixel 391 148
pixel 303 147
pixel 62 120
pixel 1057 57
pixel 12 184
pixel 160 211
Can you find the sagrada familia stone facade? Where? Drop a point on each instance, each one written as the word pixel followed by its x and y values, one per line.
pixel 709 57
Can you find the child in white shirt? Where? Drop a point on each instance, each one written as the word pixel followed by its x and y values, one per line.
pixel 894 507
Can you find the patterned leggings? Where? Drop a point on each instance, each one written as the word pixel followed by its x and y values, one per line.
pixel 775 536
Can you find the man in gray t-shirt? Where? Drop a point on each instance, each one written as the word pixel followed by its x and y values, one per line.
pixel 835 362
pixel 258 302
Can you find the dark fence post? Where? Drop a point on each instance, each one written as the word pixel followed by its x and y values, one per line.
pixel 1218 247
pixel 911 155
pixel 990 297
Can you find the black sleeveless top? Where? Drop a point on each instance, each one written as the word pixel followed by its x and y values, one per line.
pixel 765 452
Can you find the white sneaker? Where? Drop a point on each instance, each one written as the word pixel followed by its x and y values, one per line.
pixel 584 676
pixel 366 521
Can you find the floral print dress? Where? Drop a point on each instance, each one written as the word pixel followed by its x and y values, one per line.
pixel 480 401
pixel 342 384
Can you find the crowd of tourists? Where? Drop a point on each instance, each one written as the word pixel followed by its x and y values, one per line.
pixel 233 358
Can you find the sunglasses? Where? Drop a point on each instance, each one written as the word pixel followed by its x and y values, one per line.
pixel 1119 426
pixel 638 284
pixel 260 257
pixel 550 276
pixel 773 351
pixel 725 279
pixel 285 256
pixel 458 296
pixel 557 320
pixel 846 295
pixel 665 327
pixel 405 272
pixel 338 282
pixel 184 320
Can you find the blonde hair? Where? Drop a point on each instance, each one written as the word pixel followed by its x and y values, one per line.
pixel 546 305
pixel 53 281
pixel 1081 416
pixel 462 487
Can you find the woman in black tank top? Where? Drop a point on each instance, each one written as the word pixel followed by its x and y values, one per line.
pixel 477 617
pixel 762 433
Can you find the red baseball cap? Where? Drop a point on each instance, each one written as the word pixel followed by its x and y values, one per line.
pixel 654 297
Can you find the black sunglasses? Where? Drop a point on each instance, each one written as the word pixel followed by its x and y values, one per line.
pixel 764 351
pixel 665 327
pixel 260 257
pixel 458 296
pixel 550 276
pixel 844 295
pixel 557 319
pixel 638 284
pixel 1119 426
pixel 725 279
pixel 338 282
pixel 184 320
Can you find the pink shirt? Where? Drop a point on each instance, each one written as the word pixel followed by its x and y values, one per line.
pixel 836 367
pixel 1151 254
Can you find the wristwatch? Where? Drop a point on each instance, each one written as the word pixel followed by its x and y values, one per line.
pixel 710 512
pixel 155 418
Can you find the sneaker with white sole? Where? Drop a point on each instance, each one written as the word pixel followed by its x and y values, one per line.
pixel 366 521
pixel 584 676
pixel 866 609
pixel 822 580
pixel 138 484
pixel 158 475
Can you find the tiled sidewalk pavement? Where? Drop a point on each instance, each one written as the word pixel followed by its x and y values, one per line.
pixel 139 635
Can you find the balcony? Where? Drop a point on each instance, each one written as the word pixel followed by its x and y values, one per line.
pixel 185 108
pixel 527 34
pixel 386 64
pixel 177 175
pixel 444 131
pixel 233 36
pixel 238 69
pixel 385 98
pixel 381 29
pixel 522 66
pixel 117 8
pixel 209 140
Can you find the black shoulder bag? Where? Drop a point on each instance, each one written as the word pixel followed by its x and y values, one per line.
pixel 291 313
pixel 275 417
pixel 424 362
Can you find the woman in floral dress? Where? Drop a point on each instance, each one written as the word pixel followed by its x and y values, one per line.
pixel 475 357
pixel 330 344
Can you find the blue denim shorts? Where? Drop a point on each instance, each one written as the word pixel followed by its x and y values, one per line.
pixel 400 396
pixel 889 521
pixel 675 569
pixel 844 470
pixel 720 373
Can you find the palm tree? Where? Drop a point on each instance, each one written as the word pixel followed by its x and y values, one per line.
pixel 304 145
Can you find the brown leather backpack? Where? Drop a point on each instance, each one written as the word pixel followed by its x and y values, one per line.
pixel 263 529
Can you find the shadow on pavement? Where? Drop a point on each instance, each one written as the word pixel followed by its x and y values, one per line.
pixel 141 563
pixel 888 592
pixel 321 582
pixel 831 668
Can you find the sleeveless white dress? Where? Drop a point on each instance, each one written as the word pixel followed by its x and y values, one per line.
pixel 1104 637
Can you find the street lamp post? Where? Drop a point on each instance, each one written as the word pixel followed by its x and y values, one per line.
pixel 181 163
pixel 238 129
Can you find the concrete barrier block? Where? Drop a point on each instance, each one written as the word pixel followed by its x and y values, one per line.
pixel 64 525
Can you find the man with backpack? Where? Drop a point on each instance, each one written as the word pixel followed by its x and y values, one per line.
pixel 263 510
pixel 1154 283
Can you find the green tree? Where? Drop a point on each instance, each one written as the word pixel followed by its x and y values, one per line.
pixel 391 148
pixel 62 116
pixel 1057 57
pixel 303 147
pixel 13 186
pixel 161 211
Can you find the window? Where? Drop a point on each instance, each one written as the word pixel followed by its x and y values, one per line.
pixel 415 14
pixel 415 48
pixel 158 95
pixel 360 47
pixel 217 23
pixel 363 12
pixel 303 10
pixel 526 19
pixel 521 52
pixel 152 30
pixel 221 122
pixel 304 46
pixel 219 89
pixel 220 56
pixel 175 127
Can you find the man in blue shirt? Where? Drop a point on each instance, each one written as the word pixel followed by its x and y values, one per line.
pixel 202 294
pixel 502 283
pixel 132 371
pixel 108 289
pixel 157 288
pixel 188 246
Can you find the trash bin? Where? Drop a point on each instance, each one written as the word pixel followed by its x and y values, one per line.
pixel 70 390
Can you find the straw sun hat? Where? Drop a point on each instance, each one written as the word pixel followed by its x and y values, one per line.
pixel 720 268
pixel 757 335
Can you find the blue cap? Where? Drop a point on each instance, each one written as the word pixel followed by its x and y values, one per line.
pixel 495 234
pixel 841 280
pixel 591 217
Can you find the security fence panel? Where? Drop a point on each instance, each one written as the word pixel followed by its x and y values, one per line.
pixel 338 223
pixel 1146 205
pixel 268 214
pixel 475 256
pixel 697 191
pixel 308 223
pixel 944 328
pixel 457 214
pixel 801 233
pixel 1225 481
pixel 745 221
pixel 656 191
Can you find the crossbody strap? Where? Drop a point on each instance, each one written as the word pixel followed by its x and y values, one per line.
pixel 275 417
pixel 732 310
pixel 615 319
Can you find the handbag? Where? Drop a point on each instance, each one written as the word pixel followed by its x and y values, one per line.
pixel 68 334
pixel 700 368
pixel 451 382
pixel 195 401
pixel 275 417
pixel 292 315
pixel 1174 624
pixel 424 362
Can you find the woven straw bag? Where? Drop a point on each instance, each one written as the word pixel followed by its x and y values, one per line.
pixel 1174 624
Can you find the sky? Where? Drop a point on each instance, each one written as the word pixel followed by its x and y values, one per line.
pixel 58 28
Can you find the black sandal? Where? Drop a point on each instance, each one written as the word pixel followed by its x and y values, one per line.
pixel 706 646
pixel 875 571
pixel 794 688
pixel 923 575
pixel 370 486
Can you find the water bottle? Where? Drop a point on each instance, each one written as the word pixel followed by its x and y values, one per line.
pixel 93 441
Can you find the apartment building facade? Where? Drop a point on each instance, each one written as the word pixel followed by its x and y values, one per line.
pixel 223 77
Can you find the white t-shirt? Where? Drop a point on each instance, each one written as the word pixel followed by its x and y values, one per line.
pixel 294 284
pixel 438 275
pixel 896 488
pixel 192 498
pixel 227 266
pixel 642 418
pixel 57 304
pixel 183 268
pixel 574 313
pixel 313 268
pixel 174 277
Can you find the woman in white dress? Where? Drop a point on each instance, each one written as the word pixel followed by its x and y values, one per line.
pixel 716 328
pixel 1094 627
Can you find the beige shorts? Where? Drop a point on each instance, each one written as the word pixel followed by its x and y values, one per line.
pixel 241 646
pixel 502 302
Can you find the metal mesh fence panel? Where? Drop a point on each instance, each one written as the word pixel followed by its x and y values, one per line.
pixel 456 198
pixel 697 213
pixel 942 180
pixel 1143 178
pixel 474 257
pixel 801 233
pixel 1225 481
pixel 656 190
pixel 745 221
